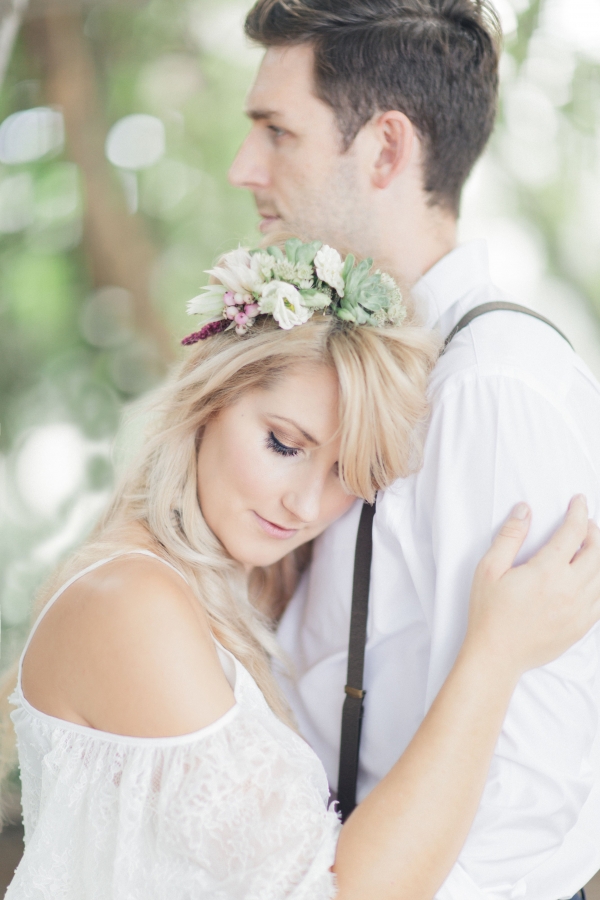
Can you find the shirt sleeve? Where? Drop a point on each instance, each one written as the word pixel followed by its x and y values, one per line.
pixel 523 447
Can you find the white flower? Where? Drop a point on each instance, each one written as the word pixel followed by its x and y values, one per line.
pixel 262 264
pixel 329 265
pixel 209 305
pixel 300 274
pixel 397 312
pixel 237 274
pixel 284 302
pixel 284 270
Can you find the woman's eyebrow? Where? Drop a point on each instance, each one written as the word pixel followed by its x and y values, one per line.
pixel 304 433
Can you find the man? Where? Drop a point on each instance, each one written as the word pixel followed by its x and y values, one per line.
pixel 367 118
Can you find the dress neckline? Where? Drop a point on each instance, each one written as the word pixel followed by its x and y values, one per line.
pixel 225 656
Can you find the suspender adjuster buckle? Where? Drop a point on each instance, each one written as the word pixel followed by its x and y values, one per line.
pixel 357 693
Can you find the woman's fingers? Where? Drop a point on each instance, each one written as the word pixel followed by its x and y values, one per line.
pixel 569 537
pixel 536 611
pixel 509 540
pixel 586 562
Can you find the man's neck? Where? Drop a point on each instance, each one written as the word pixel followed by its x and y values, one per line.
pixel 412 245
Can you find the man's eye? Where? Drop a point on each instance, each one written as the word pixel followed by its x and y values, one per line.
pixel 277 132
pixel 277 447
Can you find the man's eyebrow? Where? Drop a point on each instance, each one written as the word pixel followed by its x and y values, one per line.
pixel 304 433
pixel 258 115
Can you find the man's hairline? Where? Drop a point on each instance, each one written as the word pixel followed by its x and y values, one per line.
pixel 434 200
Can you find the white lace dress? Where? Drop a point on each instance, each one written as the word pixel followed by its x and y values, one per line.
pixel 235 810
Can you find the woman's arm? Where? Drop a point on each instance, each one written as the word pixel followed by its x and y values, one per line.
pixel 402 841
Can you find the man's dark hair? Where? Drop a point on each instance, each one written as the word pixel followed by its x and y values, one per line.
pixel 434 60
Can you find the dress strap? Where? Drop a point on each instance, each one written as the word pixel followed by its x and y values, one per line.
pixel 76 577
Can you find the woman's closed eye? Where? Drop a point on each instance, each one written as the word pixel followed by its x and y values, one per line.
pixel 277 447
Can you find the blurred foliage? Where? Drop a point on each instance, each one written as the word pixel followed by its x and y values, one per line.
pixel 72 350
pixel 97 261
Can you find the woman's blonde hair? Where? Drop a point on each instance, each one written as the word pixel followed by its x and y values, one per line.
pixel 382 374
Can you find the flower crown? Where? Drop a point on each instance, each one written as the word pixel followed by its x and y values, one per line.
pixel 291 284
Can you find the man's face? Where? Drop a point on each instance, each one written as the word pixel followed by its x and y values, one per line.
pixel 293 160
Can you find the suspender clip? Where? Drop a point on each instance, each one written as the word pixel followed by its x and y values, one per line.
pixel 357 693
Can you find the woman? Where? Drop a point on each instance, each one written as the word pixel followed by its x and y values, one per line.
pixel 157 757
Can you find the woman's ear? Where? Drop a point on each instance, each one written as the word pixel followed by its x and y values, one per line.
pixel 396 136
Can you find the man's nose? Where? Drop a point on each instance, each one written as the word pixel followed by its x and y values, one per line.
pixel 248 169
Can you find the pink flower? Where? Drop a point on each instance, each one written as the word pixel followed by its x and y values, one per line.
pixel 230 312
pixel 242 299
pixel 241 318
pixel 251 309
pixel 229 298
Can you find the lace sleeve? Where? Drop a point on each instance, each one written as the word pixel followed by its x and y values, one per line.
pixel 233 813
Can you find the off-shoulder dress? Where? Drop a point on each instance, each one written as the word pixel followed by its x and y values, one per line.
pixel 235 811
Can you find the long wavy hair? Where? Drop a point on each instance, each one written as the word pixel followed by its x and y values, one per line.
pixel 383 376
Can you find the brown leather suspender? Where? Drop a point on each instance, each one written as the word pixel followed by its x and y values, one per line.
pixel 352 711
pixel 492 307
pixel 353 703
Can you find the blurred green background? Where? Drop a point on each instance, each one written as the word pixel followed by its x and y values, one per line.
pixel 118 121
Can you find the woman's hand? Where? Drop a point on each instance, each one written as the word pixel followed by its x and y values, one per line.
pixel 404 838
pixel 530 614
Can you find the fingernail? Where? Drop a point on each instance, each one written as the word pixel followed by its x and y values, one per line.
pixel 521 511
pixel 580 497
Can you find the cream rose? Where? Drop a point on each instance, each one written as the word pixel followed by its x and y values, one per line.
pixel 329 265
pixel 284 302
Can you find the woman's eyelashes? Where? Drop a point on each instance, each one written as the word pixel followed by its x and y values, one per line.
pixel 277 447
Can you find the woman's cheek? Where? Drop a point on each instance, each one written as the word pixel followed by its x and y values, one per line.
pixel 261 474
pixel 337 503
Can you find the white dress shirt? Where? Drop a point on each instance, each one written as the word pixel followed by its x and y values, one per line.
pixel 515 416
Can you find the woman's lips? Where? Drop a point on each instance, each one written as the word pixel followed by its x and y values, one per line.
pixel 274 530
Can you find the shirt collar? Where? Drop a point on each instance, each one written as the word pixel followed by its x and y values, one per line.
pixel 451 279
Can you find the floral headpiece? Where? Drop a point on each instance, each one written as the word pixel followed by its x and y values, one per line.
pixel 291 285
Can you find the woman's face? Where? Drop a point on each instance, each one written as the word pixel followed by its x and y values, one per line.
pixel 267 467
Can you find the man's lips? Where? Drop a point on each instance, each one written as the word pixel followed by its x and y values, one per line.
pixel 267 220
pixel 274 530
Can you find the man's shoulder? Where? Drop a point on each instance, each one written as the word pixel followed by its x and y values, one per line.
pixel 502 345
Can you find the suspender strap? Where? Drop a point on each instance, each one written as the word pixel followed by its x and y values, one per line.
pixel 352 711
pixel 491 307
pixel 353 704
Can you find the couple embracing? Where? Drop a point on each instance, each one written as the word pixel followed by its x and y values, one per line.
pixel 171 744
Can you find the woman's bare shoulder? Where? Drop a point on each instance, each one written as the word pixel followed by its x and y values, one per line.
pixel 127 649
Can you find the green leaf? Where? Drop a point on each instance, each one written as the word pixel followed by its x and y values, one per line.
pixel 344 315
pixel 348 264
pixel 276 252
pixel 358 277
pixel 315 299
pixel 307 252
pixel 291 248
pixel 349 304
pixel 373 302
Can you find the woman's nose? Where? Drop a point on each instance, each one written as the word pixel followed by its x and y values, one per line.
pixel 304 502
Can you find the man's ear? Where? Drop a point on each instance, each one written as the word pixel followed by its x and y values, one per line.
pixel 396 136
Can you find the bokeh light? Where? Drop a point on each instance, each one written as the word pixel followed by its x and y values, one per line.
pixel 50 467
pixel 30 135
pixel 136 142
